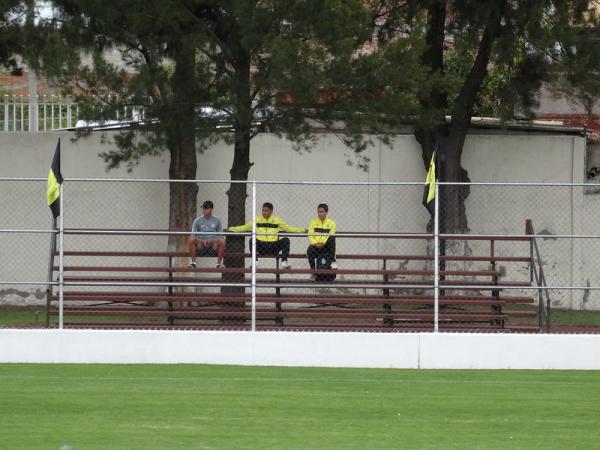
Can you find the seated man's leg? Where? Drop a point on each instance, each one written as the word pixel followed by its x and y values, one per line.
pixel 219 246
pixel 250 249
pixel 192 248
pixel 262 248
pixel 329 247
pixel 311 253
pixel 283 246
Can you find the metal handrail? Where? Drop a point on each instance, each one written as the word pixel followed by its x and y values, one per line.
pixel 540 278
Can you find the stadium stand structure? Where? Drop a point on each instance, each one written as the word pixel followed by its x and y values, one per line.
pixel 477 292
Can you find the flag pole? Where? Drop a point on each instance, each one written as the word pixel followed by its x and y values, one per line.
pixel 54 196
pixel 254 262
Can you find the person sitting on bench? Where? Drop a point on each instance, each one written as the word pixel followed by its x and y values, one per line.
pixel 205 239
pixel 267 240
pixel 320 239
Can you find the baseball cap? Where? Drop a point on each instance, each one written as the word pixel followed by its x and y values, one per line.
pixel 207 204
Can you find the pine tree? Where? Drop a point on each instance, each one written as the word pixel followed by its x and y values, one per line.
pixel 259 65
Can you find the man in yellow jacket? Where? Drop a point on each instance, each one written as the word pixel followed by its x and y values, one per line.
pixel 320 237
pixel 267 238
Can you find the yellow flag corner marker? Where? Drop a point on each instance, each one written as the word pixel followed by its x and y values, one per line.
pixel 55 179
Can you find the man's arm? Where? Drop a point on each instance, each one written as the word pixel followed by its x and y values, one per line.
pixel 289 229
pixel 332 227
pixel 240 228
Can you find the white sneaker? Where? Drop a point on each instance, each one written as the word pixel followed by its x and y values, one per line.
pixel 285 265
pixel 313 277
pixel 193 264
pixel 334 265
pixel 220 266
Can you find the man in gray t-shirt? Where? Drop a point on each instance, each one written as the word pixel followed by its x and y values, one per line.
pixel 206 239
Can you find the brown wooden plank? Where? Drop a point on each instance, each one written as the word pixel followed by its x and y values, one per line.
pixel 232 270
pixel 125 297
pixel 299 297
pixel 304 313
pixel 355 327
pixel 284 282
pixel 353 256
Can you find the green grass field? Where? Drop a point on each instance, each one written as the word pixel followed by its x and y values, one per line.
pixel 196 406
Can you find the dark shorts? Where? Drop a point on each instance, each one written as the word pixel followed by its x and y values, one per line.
pixel 206 251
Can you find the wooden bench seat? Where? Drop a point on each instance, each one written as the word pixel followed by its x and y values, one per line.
pixel 342 256
pixel 125 297
pixel 293 271
pixel 270 314
pixel 295 282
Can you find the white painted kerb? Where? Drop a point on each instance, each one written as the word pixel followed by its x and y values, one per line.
pixel 385 350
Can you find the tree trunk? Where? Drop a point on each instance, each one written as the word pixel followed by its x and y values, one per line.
pixel 241 153
pixel 454 197
pixel 237 193
pixel 181 142
pixel 453 216
pixel 432 136
pixel 240 168
pixel 450 139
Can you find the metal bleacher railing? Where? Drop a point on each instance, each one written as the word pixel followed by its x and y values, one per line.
pixel 537 274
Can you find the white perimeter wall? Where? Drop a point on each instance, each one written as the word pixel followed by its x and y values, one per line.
pixel 377 350
pixel 490 156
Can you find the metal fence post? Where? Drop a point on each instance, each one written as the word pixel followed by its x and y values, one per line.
pixel 253 255
pixel 61 257
pixel 436 260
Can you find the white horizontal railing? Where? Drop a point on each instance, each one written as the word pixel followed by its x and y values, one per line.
pixel 37 113
pixel 22 113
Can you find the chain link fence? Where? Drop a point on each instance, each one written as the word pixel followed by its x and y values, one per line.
pixel 563 219
pixel 505 258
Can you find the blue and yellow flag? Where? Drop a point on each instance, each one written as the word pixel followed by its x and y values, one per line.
pixel 429 194
pixel 55 179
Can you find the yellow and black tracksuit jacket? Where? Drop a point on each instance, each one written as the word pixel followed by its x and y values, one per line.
pixel 320 230
pixel 267 229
